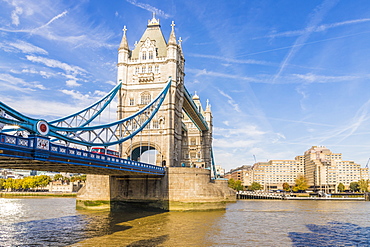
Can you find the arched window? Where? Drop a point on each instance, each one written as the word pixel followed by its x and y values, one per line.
pixel 144 55
pixel 145 98
pixel 150 54
pixel 193 141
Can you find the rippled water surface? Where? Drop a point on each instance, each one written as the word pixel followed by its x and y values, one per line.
pixel 56 222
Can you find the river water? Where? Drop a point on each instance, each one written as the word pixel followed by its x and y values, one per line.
pixel 56 222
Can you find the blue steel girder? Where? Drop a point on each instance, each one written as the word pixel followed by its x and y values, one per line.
pixel 87 115
pixel 99 135
pixel 193 113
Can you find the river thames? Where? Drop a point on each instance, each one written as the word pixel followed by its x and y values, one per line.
pixel 56 222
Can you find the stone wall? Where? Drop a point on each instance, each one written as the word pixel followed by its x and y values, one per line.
pixel 181 188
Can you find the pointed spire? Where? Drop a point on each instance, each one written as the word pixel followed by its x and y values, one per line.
pixel 153 21
pixel 195 97
pixel 208 107
pixel 124 43
pixel 172 39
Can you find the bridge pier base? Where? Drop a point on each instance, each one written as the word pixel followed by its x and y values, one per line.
pixel 181 189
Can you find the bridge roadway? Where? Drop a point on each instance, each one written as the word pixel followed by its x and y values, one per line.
pixel 38 153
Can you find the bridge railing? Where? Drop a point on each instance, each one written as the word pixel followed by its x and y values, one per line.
pixel 44 148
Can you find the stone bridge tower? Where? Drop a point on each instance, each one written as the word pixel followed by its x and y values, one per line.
pixel 144 72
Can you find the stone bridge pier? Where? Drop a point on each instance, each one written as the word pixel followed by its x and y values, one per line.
pixel 181 189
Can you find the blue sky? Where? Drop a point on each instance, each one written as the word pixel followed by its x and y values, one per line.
pixel 281 76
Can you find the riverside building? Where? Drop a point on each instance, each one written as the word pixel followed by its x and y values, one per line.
pixel 323 169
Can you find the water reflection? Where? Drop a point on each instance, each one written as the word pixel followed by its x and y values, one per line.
pixel 332 234
pixel 56 222
pixel 164 229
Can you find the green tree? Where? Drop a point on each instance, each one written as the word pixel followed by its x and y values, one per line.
pixel 9 183
pixel 301 184
pixel 235 185
pixel 238 185
pixel 42 180
pixel 2 181
pixel 286 187
pixel 354 187
pixel 58 177
pixel 231 183
pixel 363 185
pixel 29 183
pixel 13 184
pixel 255 186
pixel 341 187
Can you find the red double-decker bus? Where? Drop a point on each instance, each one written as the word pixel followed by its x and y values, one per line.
pixel 105 151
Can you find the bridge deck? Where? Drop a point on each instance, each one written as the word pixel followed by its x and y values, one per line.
pixel 37 153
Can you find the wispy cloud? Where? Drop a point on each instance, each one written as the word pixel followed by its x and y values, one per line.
pixel 231 60
pixel 51 21
pixel 205 72
pixel 317 16
pixel 72 83
pixel 286 79
pixel 56 64
pixel 320 28
pixel 230 100
pixel 75 94
pixel 310 77
pixel 37 28
pixel 23 47
pixel 44 74
pixel 149 8
pixel 361 116
pixel 18 83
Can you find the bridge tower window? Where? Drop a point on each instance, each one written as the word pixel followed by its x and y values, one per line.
pixel 136 70
pixel 145 98
pixel 150 69
pixel 155 124
pixel 132 101
pixel 144 55
pixel 157 69
pixel 193 141
pixel 143 69
pixel 150 54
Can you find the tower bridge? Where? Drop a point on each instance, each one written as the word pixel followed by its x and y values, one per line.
pixel 154 112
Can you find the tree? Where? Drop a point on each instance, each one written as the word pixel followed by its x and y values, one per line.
pixel 238 185
pixel 29 183
pixel 354 186
pixel 301 184
pixel 286 187
pixel 2 181
pixel 231 183
pixel 341 187
pixel 235 185
pixel 42 180
pixel 58 177
pixel 363 185
pixel 255 186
